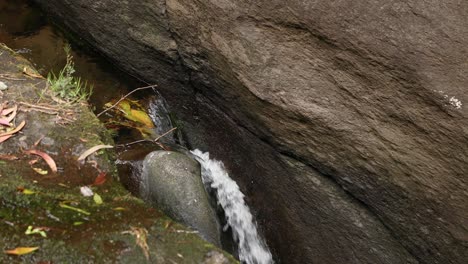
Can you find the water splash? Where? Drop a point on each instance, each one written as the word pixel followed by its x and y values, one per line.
pixel 252 249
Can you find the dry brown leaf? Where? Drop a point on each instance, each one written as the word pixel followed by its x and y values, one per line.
pixel 30 72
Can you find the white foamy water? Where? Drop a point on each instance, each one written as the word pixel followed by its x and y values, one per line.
pixel 252 249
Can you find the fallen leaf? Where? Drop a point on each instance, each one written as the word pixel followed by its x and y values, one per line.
pixel 21 250
pixel 100 179
pixel 66 206
pixel 140 117
pixel 92 150
pixel 25 191
pixel 4 138
pixel 97 199
pixel 28 192
pixel 18 128
pixel 40 171
pixel 45 156
pixel 8 157
pixel 10 110
pixel 36 230
pixel 86 191
pixel 5 121
pixel 30 72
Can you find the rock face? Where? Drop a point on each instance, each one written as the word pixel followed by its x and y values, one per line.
pixel 348 117
pixel 172 182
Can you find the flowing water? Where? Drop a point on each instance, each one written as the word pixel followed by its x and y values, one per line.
pixel 252 248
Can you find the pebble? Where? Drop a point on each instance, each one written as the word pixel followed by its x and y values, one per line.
pixel 3 86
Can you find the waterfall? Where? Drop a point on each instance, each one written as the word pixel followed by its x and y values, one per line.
pixel 252 249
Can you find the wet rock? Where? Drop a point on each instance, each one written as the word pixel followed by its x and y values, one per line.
pixel 172 182
pixel 214 257
pixel 367 96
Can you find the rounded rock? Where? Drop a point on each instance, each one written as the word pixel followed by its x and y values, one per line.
pixel 171 181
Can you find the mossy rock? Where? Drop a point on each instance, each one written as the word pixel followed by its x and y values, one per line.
pixel 122 229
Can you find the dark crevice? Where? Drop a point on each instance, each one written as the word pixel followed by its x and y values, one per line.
pixel 321 172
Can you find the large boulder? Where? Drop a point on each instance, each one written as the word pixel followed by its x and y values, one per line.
pixel 172 182
pixel 349 117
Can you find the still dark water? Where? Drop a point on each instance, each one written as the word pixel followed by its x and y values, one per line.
pixel 25 29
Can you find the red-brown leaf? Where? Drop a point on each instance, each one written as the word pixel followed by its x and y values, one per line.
pixel 45 156
pixel 18 128
pixel 100 179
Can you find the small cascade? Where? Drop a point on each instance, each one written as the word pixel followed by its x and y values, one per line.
pixel 252 248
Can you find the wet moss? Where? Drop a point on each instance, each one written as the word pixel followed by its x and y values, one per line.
pixel 106 235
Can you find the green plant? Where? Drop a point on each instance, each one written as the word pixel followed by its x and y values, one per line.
pixel 67 87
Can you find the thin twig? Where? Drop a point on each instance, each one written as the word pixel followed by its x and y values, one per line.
pixel 169 131
pixel 134 142
pixel 121 99
pixel 39 106
pixel 6 76
pixel 41 110
pixel 147 140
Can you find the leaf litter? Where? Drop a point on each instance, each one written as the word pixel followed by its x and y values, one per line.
pixel 141 235
pixel 46 158
pixel 100 179
pixel 21 250
pixel 90 151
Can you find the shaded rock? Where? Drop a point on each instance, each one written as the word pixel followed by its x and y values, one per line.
pixel 172 182
pixel 214 257
pixel 366 96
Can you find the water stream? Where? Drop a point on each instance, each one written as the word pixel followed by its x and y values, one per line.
pixel 252 248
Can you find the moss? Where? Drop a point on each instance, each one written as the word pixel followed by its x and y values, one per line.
pixel 103 236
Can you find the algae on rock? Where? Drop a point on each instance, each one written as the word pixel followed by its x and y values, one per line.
pixel 102 234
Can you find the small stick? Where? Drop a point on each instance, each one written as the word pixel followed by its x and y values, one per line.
pixel 147 140
pixel 134 142
pixel 5 76
pixel 121 99
pixel 169 131
pixel 39 106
